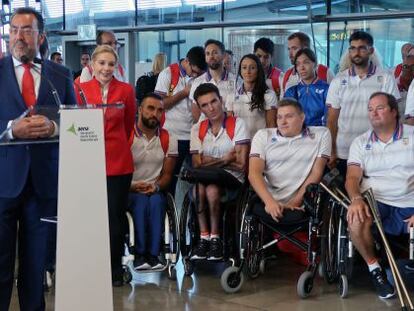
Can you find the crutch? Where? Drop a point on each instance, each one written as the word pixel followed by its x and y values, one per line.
pixel 399 282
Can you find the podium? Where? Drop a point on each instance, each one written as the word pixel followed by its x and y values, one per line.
pixel 83 260
pixel 83 268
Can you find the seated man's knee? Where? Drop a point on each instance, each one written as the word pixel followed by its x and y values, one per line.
pixel 358 227
pixel 213 193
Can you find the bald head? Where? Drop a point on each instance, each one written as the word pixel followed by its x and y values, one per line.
pixel 407 49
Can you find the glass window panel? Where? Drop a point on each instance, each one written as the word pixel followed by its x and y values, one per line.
pixel 53 13
pixel 152 12
pixel 241 40
pixel 104 13
pixel 363 6
pixel 389 36
pixel 262 9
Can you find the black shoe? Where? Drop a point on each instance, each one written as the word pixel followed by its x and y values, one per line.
pixel 141 263
pixel 155 263
pixel 409 267
pixel 117 283
pixel 216 249
pixel 383 287
pixel 201 250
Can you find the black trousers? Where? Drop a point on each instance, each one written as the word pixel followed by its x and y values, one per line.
pixel 118 190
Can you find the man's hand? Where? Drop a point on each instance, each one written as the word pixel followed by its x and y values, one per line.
pixel 274 209
pixel 229 157
pixel 186 90
pixel 332 160
pixel 410 222
pixel 143 187
pixel 294 204
pixel 358 211
pixel 36 126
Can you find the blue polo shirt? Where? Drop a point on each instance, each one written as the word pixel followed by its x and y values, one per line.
pixel 312 97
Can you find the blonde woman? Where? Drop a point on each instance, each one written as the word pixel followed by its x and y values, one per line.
pixel 104 88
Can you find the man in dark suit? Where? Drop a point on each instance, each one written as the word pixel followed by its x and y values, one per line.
pixel 28 182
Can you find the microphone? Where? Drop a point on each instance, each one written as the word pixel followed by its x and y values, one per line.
pixel 39 61
pixel 25 60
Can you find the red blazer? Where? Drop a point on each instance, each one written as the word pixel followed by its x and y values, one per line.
pixel 119 123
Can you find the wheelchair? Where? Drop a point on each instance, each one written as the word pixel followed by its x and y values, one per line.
pixel 189 228
pixel 170 250
pixel 253 244
pixel 337 251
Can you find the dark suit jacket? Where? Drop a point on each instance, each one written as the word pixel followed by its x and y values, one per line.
pixel 41 160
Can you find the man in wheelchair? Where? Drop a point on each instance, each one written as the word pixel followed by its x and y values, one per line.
pixel 220 141
pixel 285 160
pixel 381 159
pixel 154 152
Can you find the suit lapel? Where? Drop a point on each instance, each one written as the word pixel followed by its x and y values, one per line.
pixel 44 89
pixel 14 86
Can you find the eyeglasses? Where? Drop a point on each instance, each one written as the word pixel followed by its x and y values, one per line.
pixel 363 49
pixel 112 43
pixel 26 31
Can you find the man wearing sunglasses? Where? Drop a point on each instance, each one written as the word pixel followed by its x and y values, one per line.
pixel 349 93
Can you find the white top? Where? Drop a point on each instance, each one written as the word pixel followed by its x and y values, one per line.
pixel 409 107
pixel 255 120
pixel 350 93
pixel 388 168
pixel 148 156
pixel 289 160
pixel 87 74
pixel 178 119
pixel 294 79
pixel 218 146
pixel 226 85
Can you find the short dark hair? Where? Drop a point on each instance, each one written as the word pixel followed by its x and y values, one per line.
pixel 309 54
pixel 216 42
pixel 150 95
pixel 391 101
pixel 101 33
pixel 196 57
pixel 54 54
pixel 44 49
pixel 204 89
pixel 264 44
pixel 37 15
pixel 230 52
pixel 362 35
pixel 288 101
pixel 303 38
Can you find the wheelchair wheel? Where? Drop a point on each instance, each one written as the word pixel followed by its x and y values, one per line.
pixel 172 273
pixel 262 266
pixel 252 239
pixel 330 244
pixel 188 267
pixel 305 284
pixel 232 280
pixel 346 265
pixel 173 244
pixel 343 286
pixel 188 230
pixel 127 275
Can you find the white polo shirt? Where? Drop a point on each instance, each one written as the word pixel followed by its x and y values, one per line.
pixel 178 119
pixel 388 168
pixel 226 85
pixel 218 146
pixel 240 106
pixel 350 93
pixel 409 106
pixel 148 156
pixel 294 79
pixel 289 160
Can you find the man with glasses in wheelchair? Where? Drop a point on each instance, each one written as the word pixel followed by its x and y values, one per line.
pixel 381 159
pixel 154 153
pixel 220 142
pixel 284 161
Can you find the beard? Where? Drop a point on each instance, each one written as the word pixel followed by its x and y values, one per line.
pixel 20 48
pixel 360 61
pixel 151 123
pixel 214 66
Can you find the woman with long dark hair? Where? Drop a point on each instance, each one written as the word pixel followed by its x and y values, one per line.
pixel 254 102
